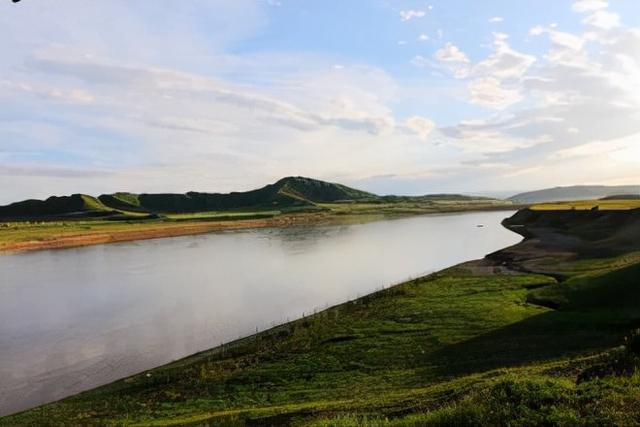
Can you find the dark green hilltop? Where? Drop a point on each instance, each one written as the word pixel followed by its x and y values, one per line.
pixel 287 193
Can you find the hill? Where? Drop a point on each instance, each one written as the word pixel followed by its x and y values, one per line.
pixel 287 194
pixel 622 197
pixel 531 335
pixel 578 192
pixel 76 205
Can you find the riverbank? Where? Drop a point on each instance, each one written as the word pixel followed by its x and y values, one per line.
pixel 488 342
pixel 16 236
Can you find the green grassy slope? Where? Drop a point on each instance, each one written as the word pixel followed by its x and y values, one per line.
pixel 74 205
pixel 477 344
pixel 321 191
pixel 122 201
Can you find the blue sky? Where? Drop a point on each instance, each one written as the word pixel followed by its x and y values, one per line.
pixel 391 96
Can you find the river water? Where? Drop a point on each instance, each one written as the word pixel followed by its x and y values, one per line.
pixel 73 319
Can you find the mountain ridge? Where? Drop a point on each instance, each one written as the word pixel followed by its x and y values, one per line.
pixel 289 193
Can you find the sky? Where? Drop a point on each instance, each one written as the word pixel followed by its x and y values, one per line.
pixel 390 96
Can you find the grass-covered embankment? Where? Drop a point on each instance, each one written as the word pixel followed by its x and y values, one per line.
pixel 490 342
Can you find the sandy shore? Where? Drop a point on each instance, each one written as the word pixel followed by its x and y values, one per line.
pixel 154 231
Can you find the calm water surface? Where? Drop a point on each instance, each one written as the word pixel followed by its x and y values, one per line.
pixel 73 319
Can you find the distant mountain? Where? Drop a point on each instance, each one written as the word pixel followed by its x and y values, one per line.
pixel 286 193
pixel 578 192
pixel 622 197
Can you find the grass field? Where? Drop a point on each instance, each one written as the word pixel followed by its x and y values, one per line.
pixel 477 344
pixel 607 205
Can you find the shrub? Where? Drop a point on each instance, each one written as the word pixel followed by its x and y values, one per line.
pixel 632 342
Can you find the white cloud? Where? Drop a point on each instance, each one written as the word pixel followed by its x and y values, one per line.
pixel 454 60
pixel 496 79
pixel 603 20
pixel 504 62
pixel 559 38
pixel 582 6
pixel 621 150
pixel 482 138
pixel 496 19
pixel 183 130
pixel 582 104
pixel 408 15
pixel 420 126
pixel 451 53
pixel 423 37
pixel 490 92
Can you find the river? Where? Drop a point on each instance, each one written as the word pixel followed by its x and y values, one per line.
pixel 73 319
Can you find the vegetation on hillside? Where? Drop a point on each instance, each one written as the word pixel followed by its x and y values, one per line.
pixel 288 194
pixel 76 205
pixel 542 333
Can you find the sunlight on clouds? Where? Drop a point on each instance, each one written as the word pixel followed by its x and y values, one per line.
pixel 582 99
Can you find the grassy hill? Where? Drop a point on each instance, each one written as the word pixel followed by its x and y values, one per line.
pixel 578 192
pixel 127 202
pixel 76 205
pixel 287 194
pixel 532 335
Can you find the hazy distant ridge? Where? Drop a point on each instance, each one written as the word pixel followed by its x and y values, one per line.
pixel 577 192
